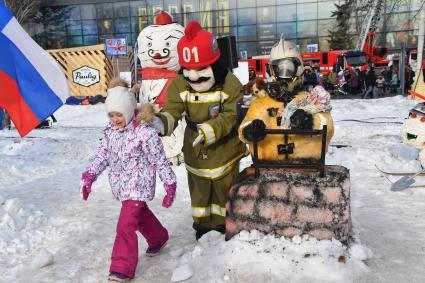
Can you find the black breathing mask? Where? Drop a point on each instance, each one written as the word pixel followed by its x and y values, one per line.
pixel 281 91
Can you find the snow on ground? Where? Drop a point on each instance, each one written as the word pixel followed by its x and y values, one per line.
pixel 48 234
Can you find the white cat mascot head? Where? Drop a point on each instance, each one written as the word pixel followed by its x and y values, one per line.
pixel 413 132
pixel 157 44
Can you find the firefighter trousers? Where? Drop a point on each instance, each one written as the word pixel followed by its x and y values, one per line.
pixel 209 197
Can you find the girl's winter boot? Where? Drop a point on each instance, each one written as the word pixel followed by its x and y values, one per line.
pixel 118 277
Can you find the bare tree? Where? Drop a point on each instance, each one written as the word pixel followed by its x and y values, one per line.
pixel 23 10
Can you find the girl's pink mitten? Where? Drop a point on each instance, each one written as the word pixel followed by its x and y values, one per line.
pixel 87 180
pixel 169 197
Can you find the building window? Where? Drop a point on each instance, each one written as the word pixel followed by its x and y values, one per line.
pixel 306 11
pixel 287 13
pixel 307 29
pixel 136 7
pixel 74 13
pixel 190 17
pixel 74 41
pixel 105 26
pixel 264 47
pixel 73 27
pixel 325 9
pixel 88 12
pixel 266 3
pixel 246 3
pixel 325 26
pixel 249 47
pixel 89 27
pixel 266 15
pixel 121 9
pixel 190 6
pixel 287 30
pixel 246 16
pixel 266 32
pixel 247 33
pixel 280 2
pixel 122 25
pixel 104 10
pixel 90 39
pixel 206 19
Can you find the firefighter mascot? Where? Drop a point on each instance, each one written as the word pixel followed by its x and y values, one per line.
pixel 159 61
pixel 207 93
pixel 287 106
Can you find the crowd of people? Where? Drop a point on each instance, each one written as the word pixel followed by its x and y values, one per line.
pixel 368 83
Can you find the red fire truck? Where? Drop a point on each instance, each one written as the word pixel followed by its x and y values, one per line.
pixel 326 60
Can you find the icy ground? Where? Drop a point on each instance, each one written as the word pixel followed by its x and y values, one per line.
pixel 48 234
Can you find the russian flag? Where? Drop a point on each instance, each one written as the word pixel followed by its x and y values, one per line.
pixel 32 85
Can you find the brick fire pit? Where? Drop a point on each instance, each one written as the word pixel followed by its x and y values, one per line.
pixel 290 202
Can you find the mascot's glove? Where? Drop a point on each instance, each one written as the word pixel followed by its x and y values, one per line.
pixel 169 197
pixel 135 88
pixel 255 131
pixel 87 180
pixel 301 120
pixel 158 125
pixel 200 138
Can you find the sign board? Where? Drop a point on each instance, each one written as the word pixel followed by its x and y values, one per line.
pixel 126 76
pixel 116 46
pixel 85 76
pixel 242 72
pixel 244 54
pixel 313 47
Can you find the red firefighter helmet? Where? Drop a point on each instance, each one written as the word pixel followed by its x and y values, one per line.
pixel 198 48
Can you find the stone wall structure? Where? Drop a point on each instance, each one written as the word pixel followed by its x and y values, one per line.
pixel 290 202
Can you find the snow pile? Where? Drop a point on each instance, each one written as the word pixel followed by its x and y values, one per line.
pixel 255 257
pixel 42 214
pixel 18 227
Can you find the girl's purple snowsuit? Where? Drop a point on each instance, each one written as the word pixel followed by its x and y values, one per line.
pixel 134 154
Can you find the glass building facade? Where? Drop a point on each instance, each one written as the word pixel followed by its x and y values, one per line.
pixel 257 24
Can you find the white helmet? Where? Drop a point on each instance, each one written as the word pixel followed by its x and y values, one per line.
pixel 285 60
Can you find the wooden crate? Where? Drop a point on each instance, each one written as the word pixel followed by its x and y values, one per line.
pixel 78 64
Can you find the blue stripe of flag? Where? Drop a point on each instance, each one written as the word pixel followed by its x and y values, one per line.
pixel 5 15
pixel 33 88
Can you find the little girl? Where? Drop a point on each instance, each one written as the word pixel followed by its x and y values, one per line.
pixel 133 151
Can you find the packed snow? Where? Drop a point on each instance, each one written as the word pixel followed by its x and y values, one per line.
pixel 49 234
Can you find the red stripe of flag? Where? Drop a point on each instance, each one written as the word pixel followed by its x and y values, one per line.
pixel 19 111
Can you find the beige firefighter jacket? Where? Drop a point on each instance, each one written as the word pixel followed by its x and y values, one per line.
pixel 214 113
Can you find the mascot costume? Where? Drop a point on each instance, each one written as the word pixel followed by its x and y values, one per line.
pixel 207 93
pixel 287 106
pixel 157 53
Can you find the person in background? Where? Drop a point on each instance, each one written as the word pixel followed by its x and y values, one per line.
pixel 370 82
pixel 394 82
pixel 409 78
pixel 380 84
pixel 362 80
pixel 354 82
pixel 387 73
pixel 347 79
pixel 331 81
pixel 310 79
pixel 252 74
pixel 134 153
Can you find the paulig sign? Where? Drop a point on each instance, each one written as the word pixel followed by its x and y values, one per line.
pixel 86 76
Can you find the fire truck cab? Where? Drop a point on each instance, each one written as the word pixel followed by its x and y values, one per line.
pixel 339 59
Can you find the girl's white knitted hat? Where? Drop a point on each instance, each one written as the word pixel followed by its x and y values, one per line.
pixel 120 100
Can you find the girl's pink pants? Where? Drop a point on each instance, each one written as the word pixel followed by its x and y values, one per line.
pixel 134 216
